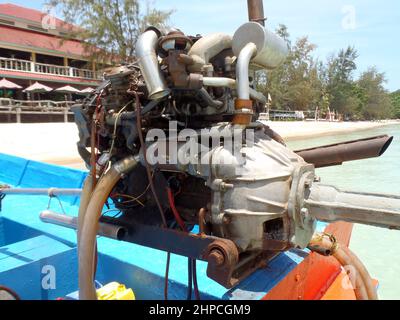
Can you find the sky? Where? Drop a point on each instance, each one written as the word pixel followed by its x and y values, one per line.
pixel 372 26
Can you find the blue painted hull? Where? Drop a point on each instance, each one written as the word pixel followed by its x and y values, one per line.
pixel 28 247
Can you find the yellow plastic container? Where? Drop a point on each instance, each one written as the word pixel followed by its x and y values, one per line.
pixel 115 291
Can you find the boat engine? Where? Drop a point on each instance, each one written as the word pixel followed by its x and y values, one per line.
pixel 175 140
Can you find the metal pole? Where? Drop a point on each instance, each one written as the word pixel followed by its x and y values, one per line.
pixel 329 204
pixel 256 11
pixel 66 115
pixel 62 220
pixel 18 113
pixel 51 192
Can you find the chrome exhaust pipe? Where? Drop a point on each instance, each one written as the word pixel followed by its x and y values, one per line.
pixel 242 71
pixel 146 48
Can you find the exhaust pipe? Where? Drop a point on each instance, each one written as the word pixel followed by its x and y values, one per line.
pixel 256 11
pixel 336 154
pixel 146 48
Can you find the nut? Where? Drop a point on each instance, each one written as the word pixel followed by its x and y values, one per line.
pixel 216 257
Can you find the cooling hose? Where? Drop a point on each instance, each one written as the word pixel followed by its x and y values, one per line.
pixel 364 289
pixel 87 244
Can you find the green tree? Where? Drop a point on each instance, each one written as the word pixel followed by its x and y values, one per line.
pixel 112 26
pixel 395 99
pixel 338 80
pixel 295 85
pixel 377 103
pixel 283 32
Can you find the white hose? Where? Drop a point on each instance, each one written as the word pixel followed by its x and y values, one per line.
pixel 231 83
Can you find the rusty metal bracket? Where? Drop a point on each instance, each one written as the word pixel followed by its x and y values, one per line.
pixel 225 265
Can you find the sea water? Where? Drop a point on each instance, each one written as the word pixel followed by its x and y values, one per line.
pixel 378 248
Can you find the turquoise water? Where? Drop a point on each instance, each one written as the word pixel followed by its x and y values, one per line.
pixel 378 248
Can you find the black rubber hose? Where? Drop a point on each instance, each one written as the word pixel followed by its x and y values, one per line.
pixel 195 284
pixel 205 96
pixel 167 276
pixel 190 278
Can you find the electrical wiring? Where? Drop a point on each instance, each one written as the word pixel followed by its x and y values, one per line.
pixel 195 284
pixel 190 279
pixel 192 268
pixel 133 199
pixel 150 177
pixel 175 212
pixel 116 126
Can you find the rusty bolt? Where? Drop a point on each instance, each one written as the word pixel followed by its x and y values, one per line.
pixel 216 257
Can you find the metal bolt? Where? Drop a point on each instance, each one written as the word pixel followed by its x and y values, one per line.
pixel 216 257
pixel 305 213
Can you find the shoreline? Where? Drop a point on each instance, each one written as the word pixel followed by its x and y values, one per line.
pixel 55 143
pixel 299 130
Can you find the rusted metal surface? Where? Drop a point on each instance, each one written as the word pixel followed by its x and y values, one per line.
pixel 336 154
pixel 175 40
pixel 244 112
pixel 256 11
pixel 222 257
pixel 177 63
pixel 274 135
pixel 221 254
pixel 311 279
pixel 203 221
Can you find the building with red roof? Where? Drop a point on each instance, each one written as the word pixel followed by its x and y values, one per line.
pixel 34 47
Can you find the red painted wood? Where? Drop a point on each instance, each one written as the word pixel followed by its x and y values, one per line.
pixel 311 279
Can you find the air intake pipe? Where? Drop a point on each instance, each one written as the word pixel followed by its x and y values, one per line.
pixel 207 48
pixel 146 52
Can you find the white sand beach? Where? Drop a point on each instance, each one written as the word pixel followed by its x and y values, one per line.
pixel 56 142
pixel 300 130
